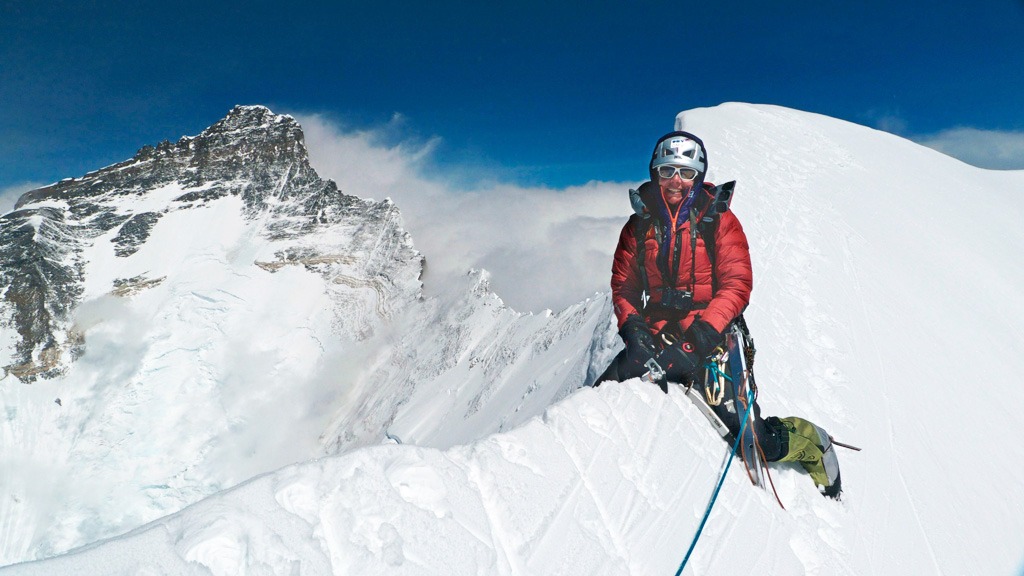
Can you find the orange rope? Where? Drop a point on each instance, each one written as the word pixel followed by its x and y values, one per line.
pixel 747 380
pixel 764 463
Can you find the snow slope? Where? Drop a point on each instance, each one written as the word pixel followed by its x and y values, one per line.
pixel 884 309
pixel 171 400
pixel 458 368
pixel 605 483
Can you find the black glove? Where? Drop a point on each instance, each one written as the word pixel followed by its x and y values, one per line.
pixel 703 337
pixel 679 362
pixel 639 346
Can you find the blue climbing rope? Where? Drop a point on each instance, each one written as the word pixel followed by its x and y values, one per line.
pixel 714 496
pixel 713 368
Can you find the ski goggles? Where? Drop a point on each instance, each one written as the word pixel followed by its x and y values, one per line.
pixel 666 172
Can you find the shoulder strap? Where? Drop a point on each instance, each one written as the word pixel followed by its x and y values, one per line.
pixel 708 226
pixel 707 233
pixel 640 227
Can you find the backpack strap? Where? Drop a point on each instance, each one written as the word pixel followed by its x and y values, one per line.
pixel 640 228
pixel 707 232
pixel 708 226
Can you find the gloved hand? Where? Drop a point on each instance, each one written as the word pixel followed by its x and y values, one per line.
pixel 678 361
pixel 703 337
pixel 639 345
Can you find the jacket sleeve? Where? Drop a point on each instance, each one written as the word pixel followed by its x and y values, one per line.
pixel 734 272
pixel 627 288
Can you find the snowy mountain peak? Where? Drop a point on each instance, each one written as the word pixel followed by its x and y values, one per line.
pixel 247 117
pixel 244 127
pixel 248 144
pixel 252 154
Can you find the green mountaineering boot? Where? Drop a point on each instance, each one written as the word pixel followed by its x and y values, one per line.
pixel 809 445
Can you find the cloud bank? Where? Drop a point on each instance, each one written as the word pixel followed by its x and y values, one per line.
pixel 988 149
pixel 992 149
pixel 545 248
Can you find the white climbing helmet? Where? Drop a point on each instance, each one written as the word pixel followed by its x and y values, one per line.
pixel 680 149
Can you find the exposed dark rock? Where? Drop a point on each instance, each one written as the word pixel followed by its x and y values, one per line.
pixel 40 277
pixel 128 286
pixel 134 232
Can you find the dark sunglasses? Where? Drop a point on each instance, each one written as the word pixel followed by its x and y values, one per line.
pixel 666 172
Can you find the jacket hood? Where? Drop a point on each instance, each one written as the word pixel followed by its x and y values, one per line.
pixel 652 203
pixel 698 183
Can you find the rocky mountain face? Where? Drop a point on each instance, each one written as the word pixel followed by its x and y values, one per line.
pixel 252 154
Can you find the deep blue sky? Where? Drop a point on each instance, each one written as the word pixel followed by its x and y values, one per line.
pixel 544 92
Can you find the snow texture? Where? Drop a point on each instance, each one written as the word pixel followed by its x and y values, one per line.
pixel 885 309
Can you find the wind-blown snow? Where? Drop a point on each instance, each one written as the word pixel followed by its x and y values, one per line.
pixel 885 309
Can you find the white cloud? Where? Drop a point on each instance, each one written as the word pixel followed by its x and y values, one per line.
pixel 10 194
pixel 891 123
pixel 993 149
pixel 887 120
pixel 545 248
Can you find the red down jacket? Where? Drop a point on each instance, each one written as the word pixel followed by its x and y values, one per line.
pixel 732 270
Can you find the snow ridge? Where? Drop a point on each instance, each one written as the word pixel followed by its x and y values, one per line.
pixel 599 485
